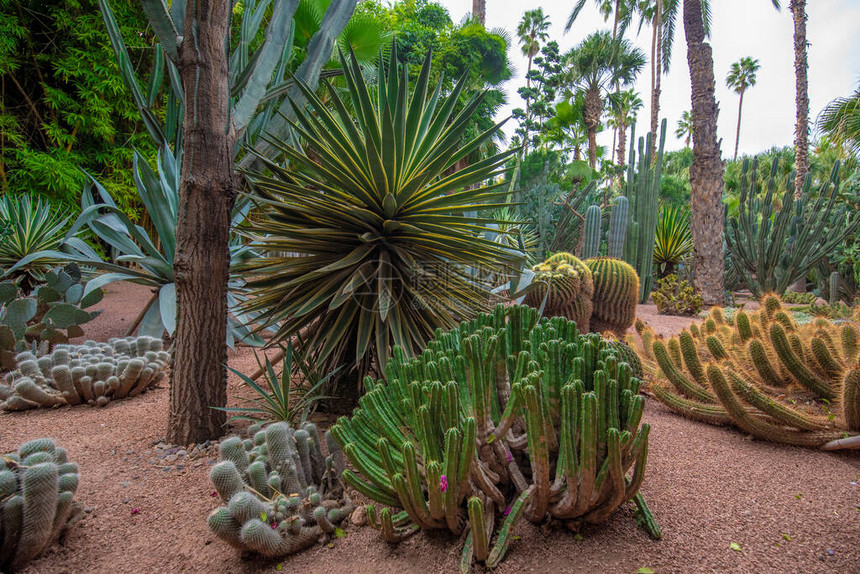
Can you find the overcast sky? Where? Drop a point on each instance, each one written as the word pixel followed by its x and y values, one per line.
pixel 740 28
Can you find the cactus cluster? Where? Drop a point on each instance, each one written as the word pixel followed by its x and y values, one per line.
pixel 564 286
pixel 91 373
pixel 52 314
pixel 281 494
pixel 763 373
pixel 503 418
pixel 599 294
pixel 37 491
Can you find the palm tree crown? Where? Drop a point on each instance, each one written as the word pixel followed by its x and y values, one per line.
pixel 685 127
pixel 840 120
pixel 532 30
pixel 742 74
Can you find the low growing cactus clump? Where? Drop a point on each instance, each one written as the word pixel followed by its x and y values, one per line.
pixel 764 373
pixel 502 419
pixel 92 373
pixel 37 491
pixel 281 494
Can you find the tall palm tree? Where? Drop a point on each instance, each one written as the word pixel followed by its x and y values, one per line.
pixel 685 128
pixel 742 75
pixel 623 106
pixel 840 120
pixel 479 11
pixel 706 173
pixel 801 98
pixel 594 65
pixel 532 31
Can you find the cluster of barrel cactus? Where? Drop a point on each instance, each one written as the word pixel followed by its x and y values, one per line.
pixel 52 314
pixel 599 294
pixel 281 494
pixel 503 418
pixel 763 373
pixel 91 373
pixel 37 491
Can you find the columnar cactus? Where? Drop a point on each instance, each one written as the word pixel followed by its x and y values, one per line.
pixel 37 491
pixel 92 373
pixel 503 418
pixel 616 289
pixel 619 220
pixel 563 287
pixel 593 225
pixel 758 370
pixel 281 494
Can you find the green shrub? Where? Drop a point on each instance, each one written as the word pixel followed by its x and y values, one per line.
pixel 676 298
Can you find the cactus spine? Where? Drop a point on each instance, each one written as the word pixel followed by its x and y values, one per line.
pixel 593 224
pixel 834 288
pixel 747 372
pixel 37 490
pixel 281 495
pixel 563 287
pixel 618 222
pixel 616 288
pixel 536 421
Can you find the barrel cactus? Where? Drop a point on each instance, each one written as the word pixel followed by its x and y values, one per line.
pixel 91 373
pixel 563 285
pixel 616 289
pixel 763 373
pixel 37 491
pixel 281 494
pixel 503 418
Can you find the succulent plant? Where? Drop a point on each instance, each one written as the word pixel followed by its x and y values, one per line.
pixel 53 313
pixel 562 287
pixel 501 419
pixel 674 297
pixel 763 373
pixel 92 373
pixel 281 494
pixel 37 491
pixel 616 290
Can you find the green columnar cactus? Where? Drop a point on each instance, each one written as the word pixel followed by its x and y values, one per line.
pixel 772 248
pixel 534 420
pixel 37 490
pixel 642 190
pixel 51 315
pixel 593 224
pixel 92 373
pixel 281 494
pixel 834 287
pixel 758 370
pixel 616 288
pixel 619 220
pixel 562 287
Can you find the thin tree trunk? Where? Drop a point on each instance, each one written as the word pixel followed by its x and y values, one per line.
pixel 622 144
pixel 528 107
pixel 801 128
pixel 591 114
pixel 658 65
pixel 706 173
pixel 479 11
pixel 207 193
pixel 738 131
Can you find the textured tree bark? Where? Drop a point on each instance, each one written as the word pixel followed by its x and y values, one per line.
pixel 207 192
pixel 591 111
pixel 479 11
pixel 658 72
pixel 738 131
pixel 801 128
pixel 706 173
pixel 622 144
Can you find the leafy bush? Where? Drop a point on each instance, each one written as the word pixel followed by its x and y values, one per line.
pixel 371 237
pixel 676 298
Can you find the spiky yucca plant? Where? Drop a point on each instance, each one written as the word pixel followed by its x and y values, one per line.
pixel 673 240
pixel 367 237
pixel 32 224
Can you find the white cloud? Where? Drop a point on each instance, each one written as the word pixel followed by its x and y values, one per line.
pixel 740 28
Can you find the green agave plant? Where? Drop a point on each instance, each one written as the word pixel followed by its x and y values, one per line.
pixel 371 236
pixel 31 224
pixel 672 240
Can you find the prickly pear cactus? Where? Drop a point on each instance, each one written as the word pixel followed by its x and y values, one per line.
pixel 565 283
pixel 281 494
pixel 92 373
pixel 37 491
pixel 52 314
pixel 616 289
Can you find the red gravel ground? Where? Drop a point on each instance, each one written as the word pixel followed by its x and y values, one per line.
pixel 788 509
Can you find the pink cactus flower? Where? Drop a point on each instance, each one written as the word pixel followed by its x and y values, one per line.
pixel 135 510
pixel 507 511
pixel 443 483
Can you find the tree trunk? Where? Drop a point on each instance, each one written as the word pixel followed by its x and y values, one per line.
pixel 655 86
pixel 801 128
pixel 207 192
pixel 528 107
pixel 738 131
pixel 622 144
pixel 479 11
pixel 706 173
pixel 591 114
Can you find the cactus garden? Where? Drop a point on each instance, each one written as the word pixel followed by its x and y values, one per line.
pixel 429 286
